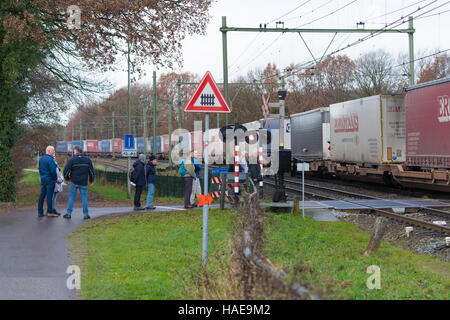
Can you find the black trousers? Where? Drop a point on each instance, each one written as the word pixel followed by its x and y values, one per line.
pixel 187 190
pixel 137 196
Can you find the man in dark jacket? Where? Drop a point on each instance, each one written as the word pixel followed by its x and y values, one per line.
pixel 47 171
pixel 76 172
pixel 141 181
pixel 254 170
pixel 151 180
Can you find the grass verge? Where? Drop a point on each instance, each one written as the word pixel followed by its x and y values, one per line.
pixel 158 256
pixel 145 256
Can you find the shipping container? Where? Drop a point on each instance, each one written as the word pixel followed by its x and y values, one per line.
pixel 140 145
pixel 428 124
pixel 62 147
pixel 197 142
pixel 91 146
pixel 158 144
pixel 77 143
pixel 369 131
pixel 165 144
pixel 310 135
pixel 105 146
pixel 118 143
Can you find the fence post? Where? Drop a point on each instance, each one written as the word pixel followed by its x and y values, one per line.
pixel 223 177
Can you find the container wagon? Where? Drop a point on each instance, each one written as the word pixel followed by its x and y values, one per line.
pixel 427 142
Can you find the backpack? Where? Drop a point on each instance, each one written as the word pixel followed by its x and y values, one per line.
pixel 132 175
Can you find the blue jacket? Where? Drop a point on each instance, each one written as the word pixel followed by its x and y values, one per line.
pixel 198 167
pixel 47 169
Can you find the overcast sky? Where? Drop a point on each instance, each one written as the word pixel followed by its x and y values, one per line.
pixel 248 51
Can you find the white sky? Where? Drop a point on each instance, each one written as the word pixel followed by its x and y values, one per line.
pixel 248 51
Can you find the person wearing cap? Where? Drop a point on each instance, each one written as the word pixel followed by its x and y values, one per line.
pixel 151 179
pixel 141 180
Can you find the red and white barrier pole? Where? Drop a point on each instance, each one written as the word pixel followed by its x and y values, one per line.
pixel 236 169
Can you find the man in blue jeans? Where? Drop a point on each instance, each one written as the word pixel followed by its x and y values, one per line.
pixel 47 172
pixel 77 171
pixel 151 179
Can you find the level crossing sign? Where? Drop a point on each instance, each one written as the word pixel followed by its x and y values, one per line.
pixel 207 98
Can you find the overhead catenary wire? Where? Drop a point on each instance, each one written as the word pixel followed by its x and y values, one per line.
pixel 290 11
pixel 389 26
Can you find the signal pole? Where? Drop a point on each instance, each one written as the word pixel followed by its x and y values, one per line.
pixel 113 137
pixel 129 126
pixel 170 131
pixel 154 113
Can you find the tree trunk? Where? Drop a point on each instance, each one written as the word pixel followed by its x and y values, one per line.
pixel 377 234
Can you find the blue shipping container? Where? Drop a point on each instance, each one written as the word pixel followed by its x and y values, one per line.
pixel 61 146
pixel 78 143
pixel 158 144
pixel 140 145
pixel 105 146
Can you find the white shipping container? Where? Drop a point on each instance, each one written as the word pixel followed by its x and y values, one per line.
pixel 369 130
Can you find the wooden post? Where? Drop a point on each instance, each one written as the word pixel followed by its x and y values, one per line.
pixel 377 234
pixel 296 208
pixel 223 177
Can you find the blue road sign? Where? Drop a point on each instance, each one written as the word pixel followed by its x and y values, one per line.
pixel 217 171
pixel 129 141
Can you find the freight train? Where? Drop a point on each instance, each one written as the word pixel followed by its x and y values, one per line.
pixel 389 139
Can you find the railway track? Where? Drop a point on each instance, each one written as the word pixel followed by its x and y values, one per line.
pixel 309 189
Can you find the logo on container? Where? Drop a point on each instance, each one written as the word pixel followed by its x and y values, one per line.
pixel 444 109
pixel 347 123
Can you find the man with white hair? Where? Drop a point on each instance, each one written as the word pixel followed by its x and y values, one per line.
pixel 47 172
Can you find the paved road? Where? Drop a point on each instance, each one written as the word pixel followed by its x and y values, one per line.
pixel 33 253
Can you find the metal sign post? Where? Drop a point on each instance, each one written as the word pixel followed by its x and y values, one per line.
pixel 205 207
pixel 207 98
pixel 304 167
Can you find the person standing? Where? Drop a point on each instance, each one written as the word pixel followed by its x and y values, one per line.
pixel 58 186
pixel 187 171
pixel 141 181
pixel 47 172
pixel 77 172
pixel 254 169
pixel 196 187
pixel 151 180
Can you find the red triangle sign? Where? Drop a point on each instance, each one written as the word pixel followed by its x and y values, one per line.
pixel 207 98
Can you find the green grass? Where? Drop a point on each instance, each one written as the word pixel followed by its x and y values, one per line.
pixel 116 192
pixel 145 256
pixel 30 179
pixel 150 256
pixel 332 256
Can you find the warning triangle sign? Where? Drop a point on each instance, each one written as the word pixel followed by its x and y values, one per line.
pixel 207 98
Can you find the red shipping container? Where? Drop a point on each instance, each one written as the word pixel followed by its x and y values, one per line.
pixel 117 145
pixel 197 142
pixel 165 139
pixel 428 124
pixel 92 146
